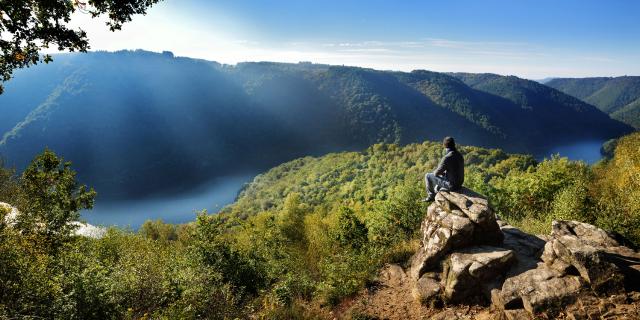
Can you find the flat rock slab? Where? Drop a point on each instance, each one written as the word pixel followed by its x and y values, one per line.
pixel 527 247
pixel 587 233
pixel 473 205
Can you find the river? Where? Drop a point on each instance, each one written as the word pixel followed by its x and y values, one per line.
pixel 223 191
pixel 174 209
pixel 587 151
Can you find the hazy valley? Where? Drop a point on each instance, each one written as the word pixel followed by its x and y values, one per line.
pixel 141 125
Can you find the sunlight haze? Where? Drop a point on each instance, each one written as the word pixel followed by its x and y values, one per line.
pixel 554 39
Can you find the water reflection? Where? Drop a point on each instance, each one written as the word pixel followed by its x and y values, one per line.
pixel 587 151
pixel 182 208
pixel 177 209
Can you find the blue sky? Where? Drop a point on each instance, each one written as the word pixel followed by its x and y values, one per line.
pixel 531 39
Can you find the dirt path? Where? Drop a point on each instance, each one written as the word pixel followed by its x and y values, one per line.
pixel 391 298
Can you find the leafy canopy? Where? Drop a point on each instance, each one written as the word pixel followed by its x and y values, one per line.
pixel 27 26
pixel 52 198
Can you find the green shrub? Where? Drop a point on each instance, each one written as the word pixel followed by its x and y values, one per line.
pixel 553 187
pixel 617 189
pixel 397 218
pixel 158 230
pixel 349 231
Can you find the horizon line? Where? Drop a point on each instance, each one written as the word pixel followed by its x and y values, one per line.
pixel 536 79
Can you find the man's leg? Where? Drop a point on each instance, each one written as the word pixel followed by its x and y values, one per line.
pixel 442 184
pixel 430 182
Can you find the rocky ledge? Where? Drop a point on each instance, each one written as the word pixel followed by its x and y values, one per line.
pixel 468 256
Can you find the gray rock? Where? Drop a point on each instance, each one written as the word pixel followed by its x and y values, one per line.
pixel 472 272
pixel 455 220
pixel 441 232
pixel 598 257
pixel 526 247
pixel 587 233
pixel 81 229
pixel 427 289
pixel 393 274
pixel 477 209
pixel 536 290
pixel 474 206
pixel 552 293
pixel 517 314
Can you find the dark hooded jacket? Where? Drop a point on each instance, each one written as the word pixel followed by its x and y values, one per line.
pixel 452 168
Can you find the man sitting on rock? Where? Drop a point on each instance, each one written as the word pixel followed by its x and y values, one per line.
pixel 449 175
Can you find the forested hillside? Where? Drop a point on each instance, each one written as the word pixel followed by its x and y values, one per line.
pixel 302 237
pixel 135 123
pixel 619 96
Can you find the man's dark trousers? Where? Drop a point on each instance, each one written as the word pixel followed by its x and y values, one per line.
pixel 432 181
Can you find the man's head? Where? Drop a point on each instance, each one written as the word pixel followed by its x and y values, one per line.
pixel 449 143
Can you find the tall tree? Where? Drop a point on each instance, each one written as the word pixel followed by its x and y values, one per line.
pixel 28 26
pixel 52 199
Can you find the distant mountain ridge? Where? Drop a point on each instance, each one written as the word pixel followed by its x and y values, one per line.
pixel 618 96
pixel 137 123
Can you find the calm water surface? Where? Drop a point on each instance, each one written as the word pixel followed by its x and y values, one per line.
pixel 177 209
pixel 587 151
pixel 212 197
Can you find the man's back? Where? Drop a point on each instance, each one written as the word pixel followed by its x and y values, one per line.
pixel 452 167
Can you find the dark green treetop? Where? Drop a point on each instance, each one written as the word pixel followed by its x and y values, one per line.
pixel 52 198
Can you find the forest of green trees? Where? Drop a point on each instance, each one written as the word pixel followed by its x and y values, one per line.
pixel 301 237
pixel 160 124
pixel 617 96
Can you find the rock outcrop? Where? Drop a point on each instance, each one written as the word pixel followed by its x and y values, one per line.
pixel 467 255
pixel 458 258
pixel 472 272
pixel 536 290
pixel 454 221
pixel 606 265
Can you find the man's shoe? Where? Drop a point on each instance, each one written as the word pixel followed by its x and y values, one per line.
pixel 428 199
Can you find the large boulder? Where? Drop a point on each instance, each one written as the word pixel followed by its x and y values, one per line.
pixel 476 208
pixel 577 259
pixel 442 231
pixel 455 220
pixel 467 253
pixel 536 290
pixel 527 248
pixel 427 289
pixel 474 272
pixel 596 255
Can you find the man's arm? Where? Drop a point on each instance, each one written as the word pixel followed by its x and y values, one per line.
pixel 440 170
